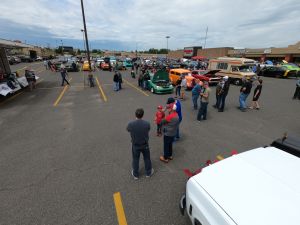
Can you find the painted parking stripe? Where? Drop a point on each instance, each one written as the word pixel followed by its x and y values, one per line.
pixel 135 87
pixel 61 94
pixel 101 90
pixel 119 209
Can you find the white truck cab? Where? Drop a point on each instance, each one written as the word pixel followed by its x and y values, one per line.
pixel 257 187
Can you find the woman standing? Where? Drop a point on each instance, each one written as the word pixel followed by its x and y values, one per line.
pixel 256 95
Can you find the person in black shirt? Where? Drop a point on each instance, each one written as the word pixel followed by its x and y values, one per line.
pixel 244 92
pixel 139 131
pixel 116 81
pixel 223 94
pixel 256 95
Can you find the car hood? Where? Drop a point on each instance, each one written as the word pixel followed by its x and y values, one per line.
pixel 160 75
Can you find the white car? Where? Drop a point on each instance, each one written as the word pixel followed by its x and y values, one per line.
pixel 257 187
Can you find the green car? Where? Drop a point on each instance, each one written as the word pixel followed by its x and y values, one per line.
pixel 127 63
pixel 293 69
pixel 159 83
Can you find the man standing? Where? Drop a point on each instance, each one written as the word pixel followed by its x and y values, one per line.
pixel 196 92
pixel 223 94
pixel 244 92
pixel 178 110
pixel 120 80
pixel 139 131
pixel 204 102
pixel 297 91
pixel 116 81
pixel 170 125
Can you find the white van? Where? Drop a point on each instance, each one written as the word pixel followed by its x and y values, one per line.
pixel 257 187
pixel 234 68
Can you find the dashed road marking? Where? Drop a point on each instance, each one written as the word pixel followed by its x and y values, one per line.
pixel 119 209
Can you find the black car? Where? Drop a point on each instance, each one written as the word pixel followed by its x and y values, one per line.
pixel 276 71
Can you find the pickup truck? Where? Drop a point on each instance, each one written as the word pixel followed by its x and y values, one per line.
pixel 257 187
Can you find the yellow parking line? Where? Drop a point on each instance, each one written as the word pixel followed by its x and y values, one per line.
pixel 61 95
pixel 119 209
pixel 219 157
pixel 130 84
pixel 101 90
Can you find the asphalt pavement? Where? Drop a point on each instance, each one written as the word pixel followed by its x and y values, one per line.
pixel 62 163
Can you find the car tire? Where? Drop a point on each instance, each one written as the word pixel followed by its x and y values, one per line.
pixel 152 90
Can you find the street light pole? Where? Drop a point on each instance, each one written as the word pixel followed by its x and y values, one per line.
pixel 84 48
pixel 167 37
pixel 62 47
pixel 86 37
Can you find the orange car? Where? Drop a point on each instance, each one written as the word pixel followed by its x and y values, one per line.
pixel 175 74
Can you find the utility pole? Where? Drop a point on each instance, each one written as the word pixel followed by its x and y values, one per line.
pixel 86 37
pixel 167 37
pixel 205 37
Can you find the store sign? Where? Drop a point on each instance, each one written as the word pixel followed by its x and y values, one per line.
pixel 188 52
pixel 267 51
pixel 239 51
pixel 5 89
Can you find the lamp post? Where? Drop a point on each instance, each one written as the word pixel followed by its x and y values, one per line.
pixel 62 47
pixel 82 30
pixel 167 37
pixel 86 37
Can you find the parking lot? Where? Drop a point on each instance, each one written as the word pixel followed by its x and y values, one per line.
pixel 65 151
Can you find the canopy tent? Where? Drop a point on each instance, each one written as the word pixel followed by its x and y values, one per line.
pixel 198 57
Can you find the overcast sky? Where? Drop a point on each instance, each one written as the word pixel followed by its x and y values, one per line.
pixel 127 24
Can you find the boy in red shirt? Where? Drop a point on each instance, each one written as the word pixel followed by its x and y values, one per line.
pixel 158 118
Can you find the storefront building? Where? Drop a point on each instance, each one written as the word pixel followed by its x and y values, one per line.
pixel 289 54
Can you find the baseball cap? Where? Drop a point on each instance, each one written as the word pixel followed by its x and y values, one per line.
pixel 159 107
pixel 170 100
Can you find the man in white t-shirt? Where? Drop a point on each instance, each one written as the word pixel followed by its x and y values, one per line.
pixel 183 87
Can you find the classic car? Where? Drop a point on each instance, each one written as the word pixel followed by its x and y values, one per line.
pixel 277 71
pixel 127 63
pixel 160 82
pixel 86 66
pixel 70 68
pixel 206 75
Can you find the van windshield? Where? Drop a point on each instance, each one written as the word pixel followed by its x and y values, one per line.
pixel 247 68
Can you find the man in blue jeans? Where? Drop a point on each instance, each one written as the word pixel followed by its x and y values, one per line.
pixel 244 92
pixel 139 131
pixel 204 102
pixel 196 93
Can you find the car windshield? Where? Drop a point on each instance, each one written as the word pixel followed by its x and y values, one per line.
pixel 247 68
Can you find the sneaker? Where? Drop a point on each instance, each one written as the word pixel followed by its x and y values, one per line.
pixel 134 177
pixel 171 158
pixel 150 175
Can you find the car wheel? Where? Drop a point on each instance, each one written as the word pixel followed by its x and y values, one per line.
pixel 237 82
pixel 152 90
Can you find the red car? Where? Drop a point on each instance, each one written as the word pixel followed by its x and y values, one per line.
pixel 206 75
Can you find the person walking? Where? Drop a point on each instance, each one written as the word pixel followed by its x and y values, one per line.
pixel 256 94
pixel 63 73
pixel 141 79
pixel 196 93
pixel 116 81
pixel 202 113
pixel 297 91
pixel 223 94
pixel 46 64
pixel 139 132
pixel 159 116
pixel 244 92
pixel 170 125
